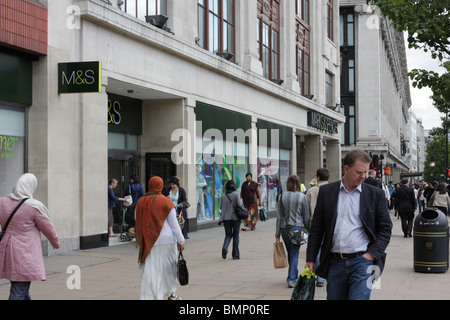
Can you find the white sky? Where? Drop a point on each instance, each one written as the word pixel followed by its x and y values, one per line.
pixel 422 105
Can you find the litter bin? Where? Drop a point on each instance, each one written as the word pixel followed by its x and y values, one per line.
pixel 431 246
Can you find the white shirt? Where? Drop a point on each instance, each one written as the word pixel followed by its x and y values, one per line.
pixel 349 235
pixel 170 232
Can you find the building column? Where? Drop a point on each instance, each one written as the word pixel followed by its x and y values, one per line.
pixel 289 47
pixel 253 149
pixel 333 155
pixel 189 167
pixel 94 170
pixel 313 156
pixel 249 33
pixel 293 168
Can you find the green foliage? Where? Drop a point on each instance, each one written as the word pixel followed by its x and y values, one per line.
pixel 436 154
pixel 427 23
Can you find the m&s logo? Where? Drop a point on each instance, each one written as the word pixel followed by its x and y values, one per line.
pixel 78 77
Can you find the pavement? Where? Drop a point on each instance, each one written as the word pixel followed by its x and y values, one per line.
pixel 112 273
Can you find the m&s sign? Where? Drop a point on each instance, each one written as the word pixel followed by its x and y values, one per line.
pixel 78 77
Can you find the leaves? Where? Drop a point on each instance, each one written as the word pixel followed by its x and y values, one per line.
pixel 428 25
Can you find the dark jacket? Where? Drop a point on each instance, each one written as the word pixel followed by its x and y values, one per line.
pixel 374 216
pixel 406 199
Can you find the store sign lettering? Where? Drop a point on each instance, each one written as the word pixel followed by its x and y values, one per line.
pixel 7 145
pixel 322 122
pixel 114 116
pixel 78 77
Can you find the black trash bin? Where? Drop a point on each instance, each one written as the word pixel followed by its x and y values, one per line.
pixel 431 242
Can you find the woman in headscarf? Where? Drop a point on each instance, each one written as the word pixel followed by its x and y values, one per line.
pixel 21 258
pixel 157 235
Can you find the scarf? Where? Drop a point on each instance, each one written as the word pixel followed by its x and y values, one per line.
pixel 151 212
pixel 25 188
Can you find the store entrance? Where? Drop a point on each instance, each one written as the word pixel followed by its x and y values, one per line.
pixel 121 168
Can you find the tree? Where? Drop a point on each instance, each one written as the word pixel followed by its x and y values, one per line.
pixel 427 25
pixel 426 21
pixel 436 154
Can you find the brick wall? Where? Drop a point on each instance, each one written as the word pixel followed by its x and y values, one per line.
pixel 23 25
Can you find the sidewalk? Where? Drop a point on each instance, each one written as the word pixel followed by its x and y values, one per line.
pixel 112 273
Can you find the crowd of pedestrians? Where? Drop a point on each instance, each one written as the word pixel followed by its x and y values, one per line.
pixel 345 226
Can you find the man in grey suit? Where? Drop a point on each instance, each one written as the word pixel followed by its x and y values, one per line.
pixel 352 226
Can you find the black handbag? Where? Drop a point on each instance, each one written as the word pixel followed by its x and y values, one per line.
pixel 240 212
pixel 183 273
pixel 10 217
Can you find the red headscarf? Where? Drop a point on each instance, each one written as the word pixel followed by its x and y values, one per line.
pixel 151 212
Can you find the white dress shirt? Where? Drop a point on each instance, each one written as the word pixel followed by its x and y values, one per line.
pixel 349 235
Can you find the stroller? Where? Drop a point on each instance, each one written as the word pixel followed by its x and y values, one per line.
pixel 128 223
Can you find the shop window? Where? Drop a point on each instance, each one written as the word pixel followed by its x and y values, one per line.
pixel 116 141
pixel 12 147
pixel 273 171
pixel 216 164
pixel 133 142
pixel 216 26
pixel 142 8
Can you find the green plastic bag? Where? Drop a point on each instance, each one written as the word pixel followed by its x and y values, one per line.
pixel 305 287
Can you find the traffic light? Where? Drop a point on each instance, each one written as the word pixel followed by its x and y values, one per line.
pixel 379 168
pixel 375 162
pixel 387 170
pixel 448 172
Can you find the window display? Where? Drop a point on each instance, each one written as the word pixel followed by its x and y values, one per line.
pixel 12 146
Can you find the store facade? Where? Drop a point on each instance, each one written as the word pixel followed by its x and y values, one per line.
pixel 163 105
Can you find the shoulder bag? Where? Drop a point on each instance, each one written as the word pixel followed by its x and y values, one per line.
pixel 10 217
pixel 297 235
pixel 240 212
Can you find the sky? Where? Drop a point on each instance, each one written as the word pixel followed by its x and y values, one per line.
pixel 422 105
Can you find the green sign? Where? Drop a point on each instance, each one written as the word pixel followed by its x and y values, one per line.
pixel 7 146
pixel 79 77
pixel 124 114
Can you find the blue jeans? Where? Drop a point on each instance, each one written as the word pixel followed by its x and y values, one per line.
pixel 232 232
pixel 19 290
pixel 348 279
pixel 292 252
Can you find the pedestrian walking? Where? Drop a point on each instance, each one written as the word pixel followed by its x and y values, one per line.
pixel 250 193
pixel 292 216
pixel 371 178
pixel 21 258
pixel 406 206
pixel 230 199
pixel 179 198
pixel 158 236
pixel 351 225
pixel 421 197
pixel 429 190
pixel 134 189
pixel 441 198
pixel 322 176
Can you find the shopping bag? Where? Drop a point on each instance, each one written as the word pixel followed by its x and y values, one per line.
pixel 305 286
pixel 279 255
pixel 263 214
pixel 183 274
